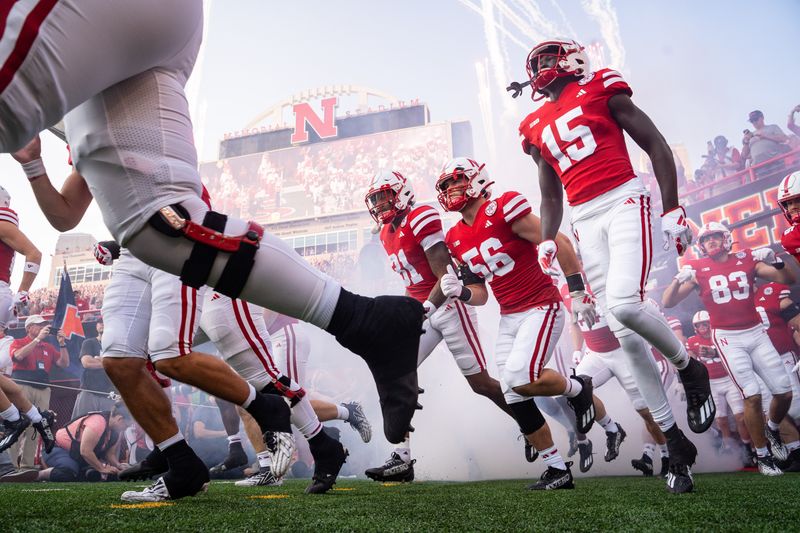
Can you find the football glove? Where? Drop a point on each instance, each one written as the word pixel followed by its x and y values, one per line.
pixel 676 230
pixel 20 298
pixel 685 275
pixel 796 367
pixel 429 308
pixel 577 356
pixel 583 308
pixel 450 284
pixel 106 252
pixel 765 255
pixel 547 256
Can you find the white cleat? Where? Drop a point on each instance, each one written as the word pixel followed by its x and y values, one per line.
pixel 358 420
pixel 767 466
pixel 157 492
pixel 262 478
pixel 281 446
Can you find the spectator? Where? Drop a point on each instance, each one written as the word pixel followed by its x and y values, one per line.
pixel 722 160
pixel 33 359
pixel 207 435
pixel 766 142
pixel 87 449
pixel 95 385
pixel 792 125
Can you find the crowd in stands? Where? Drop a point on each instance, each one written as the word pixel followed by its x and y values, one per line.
pixel 88 300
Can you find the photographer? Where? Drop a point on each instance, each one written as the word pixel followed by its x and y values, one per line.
pixel 722 160
pixel 87 448
pixel 766 142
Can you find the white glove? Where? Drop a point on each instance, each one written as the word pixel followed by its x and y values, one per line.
pixel 577 356
pixel 583 308
pixel 676 230
pixel 686 274
pixel 547 256
pixel 20 298
pixel 429 308
pixel 796 367
pixel 103 255
pixel 765 255
pixel 450 284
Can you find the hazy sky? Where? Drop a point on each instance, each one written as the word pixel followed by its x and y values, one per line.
pixel 697 68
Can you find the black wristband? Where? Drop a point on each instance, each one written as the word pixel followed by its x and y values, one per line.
pixel 778 265
pixel 790 312
pixel 465 295
pixel 575 282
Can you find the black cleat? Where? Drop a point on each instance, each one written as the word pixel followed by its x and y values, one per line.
pixel 329 456
pixel 792 463
pixel 586 455
pixel 385 332
pixel 643 465
pixel 700 407
pixel 13 430
pixel 531 453
pixel 613 442
pixel 573 444
pixel 155 464
pixel 664 467
pixel 358 420
pixel 682 455
pixel 583 404
pixel 553 479
pixel 191 479
pixel 394 469
pixel 235 460
pixel 45 429
pixel 776 445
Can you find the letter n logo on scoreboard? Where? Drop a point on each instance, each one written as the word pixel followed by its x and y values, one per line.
pixel 304 116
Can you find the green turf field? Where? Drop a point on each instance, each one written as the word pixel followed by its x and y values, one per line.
pixel 729 502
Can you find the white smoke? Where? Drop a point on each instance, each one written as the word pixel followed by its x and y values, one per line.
pixel 606 16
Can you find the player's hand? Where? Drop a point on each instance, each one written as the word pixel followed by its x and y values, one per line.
pixel 450 284
pixel 30 152
pixel 686 274
pixel 583 308
pixel 577 357
pixel 20 298
pixel 796 367
pixel 429 308
pixel 547 255
pixel 765 255
pixel 105 252
pixel 676 230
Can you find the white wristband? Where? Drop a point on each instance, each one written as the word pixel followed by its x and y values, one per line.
pixel 33 268
pixel 34 169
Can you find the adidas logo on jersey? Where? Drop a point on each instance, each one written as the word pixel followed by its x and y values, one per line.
pixel 457 243
pixel 739 263
pixel 580 93
pixel 402 234
pixel 705 269
pixel 488 224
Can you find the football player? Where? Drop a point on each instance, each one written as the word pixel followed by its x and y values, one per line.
pixel 576 139
pixel 789 202
pixel 495 242
pixel 127 119
pixel 726 283
pixel 726 396
pixel 414 241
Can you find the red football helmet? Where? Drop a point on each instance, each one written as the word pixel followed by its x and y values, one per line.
pixel 701 317
pixel 389 195
pixel 464 176
pixel 5 198
pixel 714 228
pixel 789 189
pixel 556 58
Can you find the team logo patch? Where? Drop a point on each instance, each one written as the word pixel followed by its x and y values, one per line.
pixel 768 291
pixel 491 207
pixel 586 79
pixel 740 255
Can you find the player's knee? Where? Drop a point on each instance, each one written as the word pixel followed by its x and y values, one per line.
pixel 628 314
pixel 172 367
pixel 122 368
pixel 753 401
pixel 783 397
pixel 484 385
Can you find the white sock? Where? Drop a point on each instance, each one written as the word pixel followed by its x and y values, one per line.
pixel 762 452
pixel 649 449
pixel 404 453
pixel 34 414
pixel 250 396
pixel 234 439
pixel 552 458
pixel 264 459
pixel 773 426
pixel 170 441
pixel 11 414
pixel 342 413
pixel 305 419
pixel 609 425
pixel 573 387
pixel 648 379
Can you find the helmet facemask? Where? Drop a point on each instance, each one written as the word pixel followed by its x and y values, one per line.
pixel 452 190
pixel 381 204
pixel 555 59
pixel 717 246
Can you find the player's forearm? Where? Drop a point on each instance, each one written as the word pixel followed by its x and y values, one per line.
pixel 566 255
pixel 478 294
pixel 436 296
pixel 28 277
pixel 552 211
pixel 671 296
pixel 55 206
pixel 667 176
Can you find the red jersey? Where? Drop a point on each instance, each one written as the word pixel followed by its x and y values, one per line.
pixel 704 350
pixel 507 262
pixel 6 252
pixel 406 248
pixel 768 305
pixel 599 339
pixel 728 290
pixel 579 138
pixel 43 356
pixel 790 240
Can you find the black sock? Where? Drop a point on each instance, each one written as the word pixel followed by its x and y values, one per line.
pixel 177 453
pixel 271 413
pixel 674 433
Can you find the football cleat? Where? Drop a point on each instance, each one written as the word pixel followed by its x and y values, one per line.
pixel 554 478
pixel 157 492
pixel 679 479
pixel 394 469
pixel 153 465
pixel 643 465
pixel 583 404
pixel 573 444
pixel 236 459
pixel 531 453
pixel 328 460
pixel 20 476
pixel 767 466
pixel 385 332
pixel 613 442
pixel 682 455
pixel 700 407
pixel 586 455
pixel 749 457
pixel 664 466
pixel 776 445
pixel 262 478
pixel 792 463
pixel 358 420
pixel 13 430
pixel 280 445
pixel 45 429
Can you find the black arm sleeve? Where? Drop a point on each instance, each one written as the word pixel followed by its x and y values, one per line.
pixel 468 277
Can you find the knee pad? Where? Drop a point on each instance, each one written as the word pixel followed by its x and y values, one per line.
pixel 162 341
pixel 527 415
pixel 63 475
pixel 285 387
pixel 627 313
